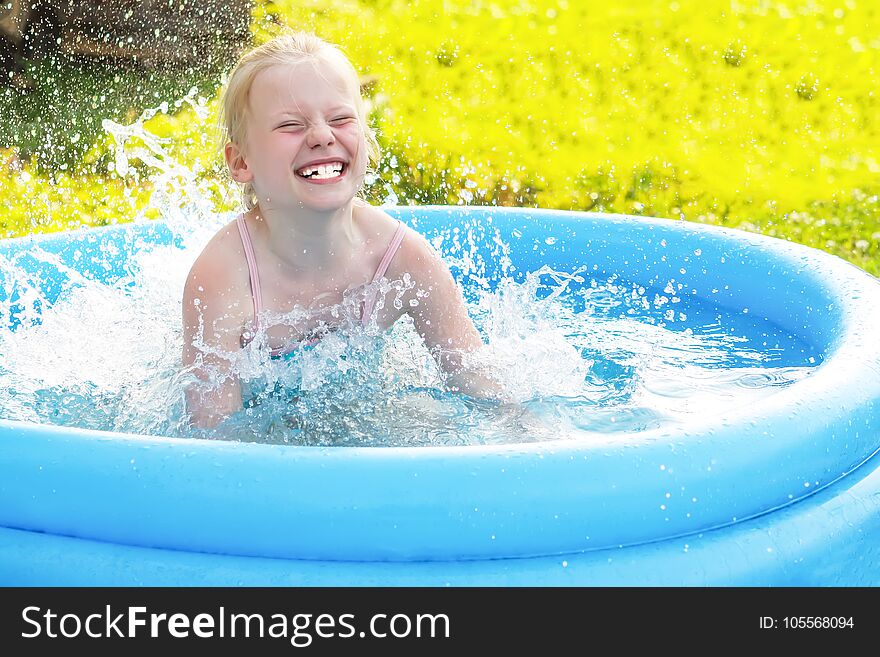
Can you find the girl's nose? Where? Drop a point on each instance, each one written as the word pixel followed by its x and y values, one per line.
pixel 321 135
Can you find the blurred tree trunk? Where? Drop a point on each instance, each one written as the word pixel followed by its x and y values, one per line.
pixel 153 29
pixel 13 19
pixel 149 31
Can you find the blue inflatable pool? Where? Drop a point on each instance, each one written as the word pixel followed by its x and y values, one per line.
pixel 784 492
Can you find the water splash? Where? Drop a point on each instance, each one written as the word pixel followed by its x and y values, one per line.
pixel 107 356
pixel 573 355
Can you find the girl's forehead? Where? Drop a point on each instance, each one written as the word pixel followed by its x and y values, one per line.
pixel 299 87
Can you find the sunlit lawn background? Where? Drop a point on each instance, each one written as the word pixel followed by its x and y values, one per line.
pixel 748 113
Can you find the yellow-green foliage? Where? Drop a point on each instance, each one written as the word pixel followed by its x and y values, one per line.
pixel 92 194
pixel 33 203
pixel 751 113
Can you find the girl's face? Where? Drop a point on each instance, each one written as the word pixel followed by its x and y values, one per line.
pixel 306 147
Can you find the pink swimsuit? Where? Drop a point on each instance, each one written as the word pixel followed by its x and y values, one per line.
pixel 366 307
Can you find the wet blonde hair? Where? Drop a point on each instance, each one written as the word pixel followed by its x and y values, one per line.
pixel 293 48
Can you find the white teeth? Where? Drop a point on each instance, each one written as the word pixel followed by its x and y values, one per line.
pixel 322 171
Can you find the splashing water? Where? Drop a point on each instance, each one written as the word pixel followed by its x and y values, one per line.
pixel 575 356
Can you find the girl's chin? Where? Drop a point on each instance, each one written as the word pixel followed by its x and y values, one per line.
pixel 322 198
pixel 327 196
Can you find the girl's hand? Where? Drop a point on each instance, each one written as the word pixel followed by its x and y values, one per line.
pixel 440 317
pixel 211 337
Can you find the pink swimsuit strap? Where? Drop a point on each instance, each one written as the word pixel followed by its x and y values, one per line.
pixel 390 252
pixel 254 275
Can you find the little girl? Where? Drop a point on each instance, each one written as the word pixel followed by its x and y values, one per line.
pixel 299 144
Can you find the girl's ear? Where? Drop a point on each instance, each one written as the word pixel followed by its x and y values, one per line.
pixel 238 166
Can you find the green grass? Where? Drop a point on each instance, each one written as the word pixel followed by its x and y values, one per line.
pixel 759 115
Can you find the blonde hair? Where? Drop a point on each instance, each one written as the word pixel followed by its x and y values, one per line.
pixel 293 48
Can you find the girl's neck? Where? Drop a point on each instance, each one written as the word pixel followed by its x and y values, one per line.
pixel 307 240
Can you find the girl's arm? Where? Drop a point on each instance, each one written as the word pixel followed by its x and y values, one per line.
pixel 211 335
pixel 442 320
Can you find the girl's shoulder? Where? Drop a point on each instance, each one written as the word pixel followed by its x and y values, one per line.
pixel 221 266
pixel 374 222
pixel 414 252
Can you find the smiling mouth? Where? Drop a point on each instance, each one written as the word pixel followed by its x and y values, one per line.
pixel 327 171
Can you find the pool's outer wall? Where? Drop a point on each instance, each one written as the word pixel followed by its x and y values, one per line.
pixel 829 539
pixel 651 508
